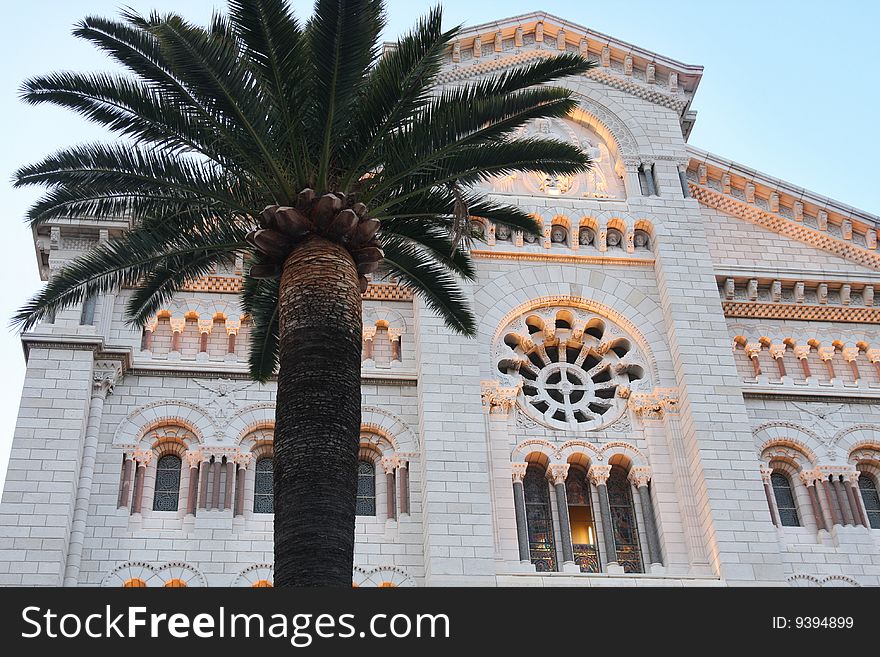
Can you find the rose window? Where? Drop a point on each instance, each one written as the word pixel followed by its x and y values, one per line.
pixel 574 369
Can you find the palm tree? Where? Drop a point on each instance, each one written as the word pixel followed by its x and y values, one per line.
pixel 324 161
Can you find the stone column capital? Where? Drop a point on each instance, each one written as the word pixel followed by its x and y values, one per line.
pixel 753 349
pixel 106 375
pixel 389 463
pixel 826 353
pixel 177 324
pixel 243 459
pixel 640 476
pixel 850 354
pixel 777 350
pixel 233 326
pixel 498 399
pixel 394 334
pixel 193 458
pixel 653 405
pixel 557 472
pixel 599 474
pixel 369 332
pixel 518 471
pixel 873 355
pixel 142 457
pixel 205 326
pixel 767 473
pixel 810 477
pixel 802 351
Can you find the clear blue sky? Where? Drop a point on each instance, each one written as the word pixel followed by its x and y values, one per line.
pixel 789 89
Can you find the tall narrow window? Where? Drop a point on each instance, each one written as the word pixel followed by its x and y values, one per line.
pixel 623 520
pixel 264 500
pixel 366 489
pixel 87 317
pixel 539 520
pixel 788 514
pixel 167 493
pixel 868 488
pixel 580 515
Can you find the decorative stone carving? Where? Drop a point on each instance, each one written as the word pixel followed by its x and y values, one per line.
pixel 107 374
pixel 640 476
pixel 518 471
pixel 222 401
pixel 497 398
pixel 585 236
pixel 599 474
pixel 557 472
pixel 652 405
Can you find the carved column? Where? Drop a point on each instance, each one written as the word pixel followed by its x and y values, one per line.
pixel 830 497
pixel 850 355
pixel 149 333
pixel 230 482
pixel 752 351
pixel 648 169
pixel 192 498
pixel 205 326
pixel 599 476
pixel 518 472
pixel 215 484
pixel 766 477
pixel 631 180
pixel 242 461
pixel 802 353
pixel 369 334
pixel 403 484
pixel 125 487
pixel 827 354
pixel 394 337
pixel 141 458
pixel 682 178
pixel 810 478
pixel 855 496
pixel 388 465
pixel 203 481
pixel 777 353
pixel 105 376
pixel 874 356
pixel 177 326
pixel 232 329
pixel 639 477
pixel 557 473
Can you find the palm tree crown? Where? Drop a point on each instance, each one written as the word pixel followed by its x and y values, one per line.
pixel 254 132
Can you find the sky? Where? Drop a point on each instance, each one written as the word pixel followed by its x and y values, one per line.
pixel 789 88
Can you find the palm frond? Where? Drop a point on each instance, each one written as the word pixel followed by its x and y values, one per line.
pixel 259 301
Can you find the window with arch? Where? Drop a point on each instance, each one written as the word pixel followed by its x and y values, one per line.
pixel 175 583
pixel 623 521
pixel 264 499
pixel 539 520
pixel 785 503
pixel 870 498
pixel 366 488
pixel 134 583
pixel 580 515
pixel 167 494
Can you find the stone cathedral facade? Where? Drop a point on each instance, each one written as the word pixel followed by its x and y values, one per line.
pixel 676 385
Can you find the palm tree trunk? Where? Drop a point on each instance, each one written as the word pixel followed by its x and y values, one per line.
pixel 318 416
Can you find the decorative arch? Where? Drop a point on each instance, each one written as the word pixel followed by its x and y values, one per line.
pixel 248 420
pixel 859 436
pixel 134 429
pixel 385 423
pixel 381 577
pixel 128 572
pixel 255 576
pixel 780 438
pixel 619 449
pixel 181 573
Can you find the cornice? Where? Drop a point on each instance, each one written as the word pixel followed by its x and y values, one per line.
pixel 233 285
pixel 788 394
pixel 811 313
pixel 783 226
pixel 562 258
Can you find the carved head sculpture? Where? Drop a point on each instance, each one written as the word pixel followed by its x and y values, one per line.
pixel 585 236
pixel 614 237
pixel 502 233
pixel 558 234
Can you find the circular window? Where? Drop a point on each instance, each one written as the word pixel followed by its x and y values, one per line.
pixel 573 368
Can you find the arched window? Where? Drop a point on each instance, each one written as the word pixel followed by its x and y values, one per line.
pixel 263 492
pixel 868 488
pixel 134 583
pixel 623 520
pixel 175 584
pixel 262 584
pixel 580 515
pixel 788 514
pixel 366 488
pixel 539 520
pixel 167 493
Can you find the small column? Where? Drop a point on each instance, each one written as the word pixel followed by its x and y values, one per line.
pixel 842 500
pixel 388 465
pixel 230 482
pixel 141 458
pixel 242 461
pixel 205 326
pixel 850 480
pixel 149 333
pixel 874 357
pixel 369 334
pixel 557 473
pixel 394 337
pixel 648 169
pixel 809 479
pixel 802 353
pixel 192 498
pixel 752 351
pixel 518 471
pixel 177 326
pixel 599 476
pixel 631 180
pixel 827 354
pixel 766 477
pixel 215 489
pixel 403 483
pixel 850 355
pixel 830 495
pixel 203 481
pixel 640 477
pixel 777 352
pixel 232 329
pixel 125 488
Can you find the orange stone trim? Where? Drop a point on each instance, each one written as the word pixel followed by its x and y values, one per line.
pixel 801 312
pixel 233 285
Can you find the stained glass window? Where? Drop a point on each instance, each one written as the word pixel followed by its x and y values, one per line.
pixel 263 490
pixel 788 514
pixel 539 520
pixel 868 488
pixel 580 514
pixel 167 492
pixel 623 520
pixel 366 490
